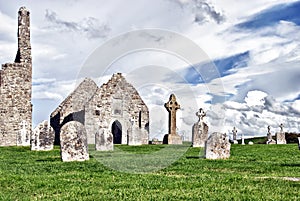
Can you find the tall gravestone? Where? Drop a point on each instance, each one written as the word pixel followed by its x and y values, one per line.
pixel 104 140
pixel 243 139
pixel 280 136
pixel 134 136
pixel 269 137
pixel 269 134
pixel 299 143
pixel 73 142
pixel 23 138
pixel 172 106
pixel 217 146
pixel 234 134
pixel 200 130
pixel 42 138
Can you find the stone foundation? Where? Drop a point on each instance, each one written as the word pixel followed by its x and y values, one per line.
pixel 172 139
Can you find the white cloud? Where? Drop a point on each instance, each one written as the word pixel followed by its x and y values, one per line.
pixel 255 98
pixel 252 119
pixel 296 106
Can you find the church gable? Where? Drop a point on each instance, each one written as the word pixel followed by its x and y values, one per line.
pixel 72 108
pixel 117 102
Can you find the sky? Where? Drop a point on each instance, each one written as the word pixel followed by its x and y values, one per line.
pixel 238 60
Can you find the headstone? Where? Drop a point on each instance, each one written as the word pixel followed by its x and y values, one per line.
pixel 280 136
pixel 243 140
pixel 269 136
pixel 234 132
pixel 250 143
pixel 200 130
pixel 104 140
pixel 172 137
pixel 134 136
pixel 42 137
pixel 299 143
pixel 23 138
pixel 73 142
pixel 217 146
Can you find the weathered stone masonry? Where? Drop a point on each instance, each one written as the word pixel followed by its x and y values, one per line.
pixel 16 87
pixel 72 108
pixel 115 108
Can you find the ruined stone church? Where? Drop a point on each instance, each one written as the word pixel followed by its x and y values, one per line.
pixel 15 90
pixel 116 108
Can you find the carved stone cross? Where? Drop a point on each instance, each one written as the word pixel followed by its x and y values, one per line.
pixel 172 106
pixel 269 128
pixel 201 114
pixel 281 128
pixel 234 131
pixel 23 125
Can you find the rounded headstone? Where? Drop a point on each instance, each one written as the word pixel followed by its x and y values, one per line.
pixel 104 140
pixel 73 142
pixel 42 138
pixel 217 146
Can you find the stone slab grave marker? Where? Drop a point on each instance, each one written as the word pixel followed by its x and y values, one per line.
pixel 234 133
pixel 104 140
pixel 134 136
pixel 172 106
pixel 280 136
pixel 269 136
pixel 243 139
pixel 217 146
pixel 200 130
pixel 299 143
pixel 73 142
pixel 23 134
pixel 42 138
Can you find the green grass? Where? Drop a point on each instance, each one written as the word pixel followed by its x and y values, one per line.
pixel 254 172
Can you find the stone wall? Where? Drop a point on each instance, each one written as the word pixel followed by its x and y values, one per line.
pixel 16 87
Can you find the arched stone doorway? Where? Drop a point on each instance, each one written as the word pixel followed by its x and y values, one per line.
pixel 116 130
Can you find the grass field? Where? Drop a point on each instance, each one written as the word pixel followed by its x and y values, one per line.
pixel 257 172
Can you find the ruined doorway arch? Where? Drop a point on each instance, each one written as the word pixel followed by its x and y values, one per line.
pixel 116 130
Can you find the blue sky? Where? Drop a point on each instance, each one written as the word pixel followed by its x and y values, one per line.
pixel 248 76
pixel 271 16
